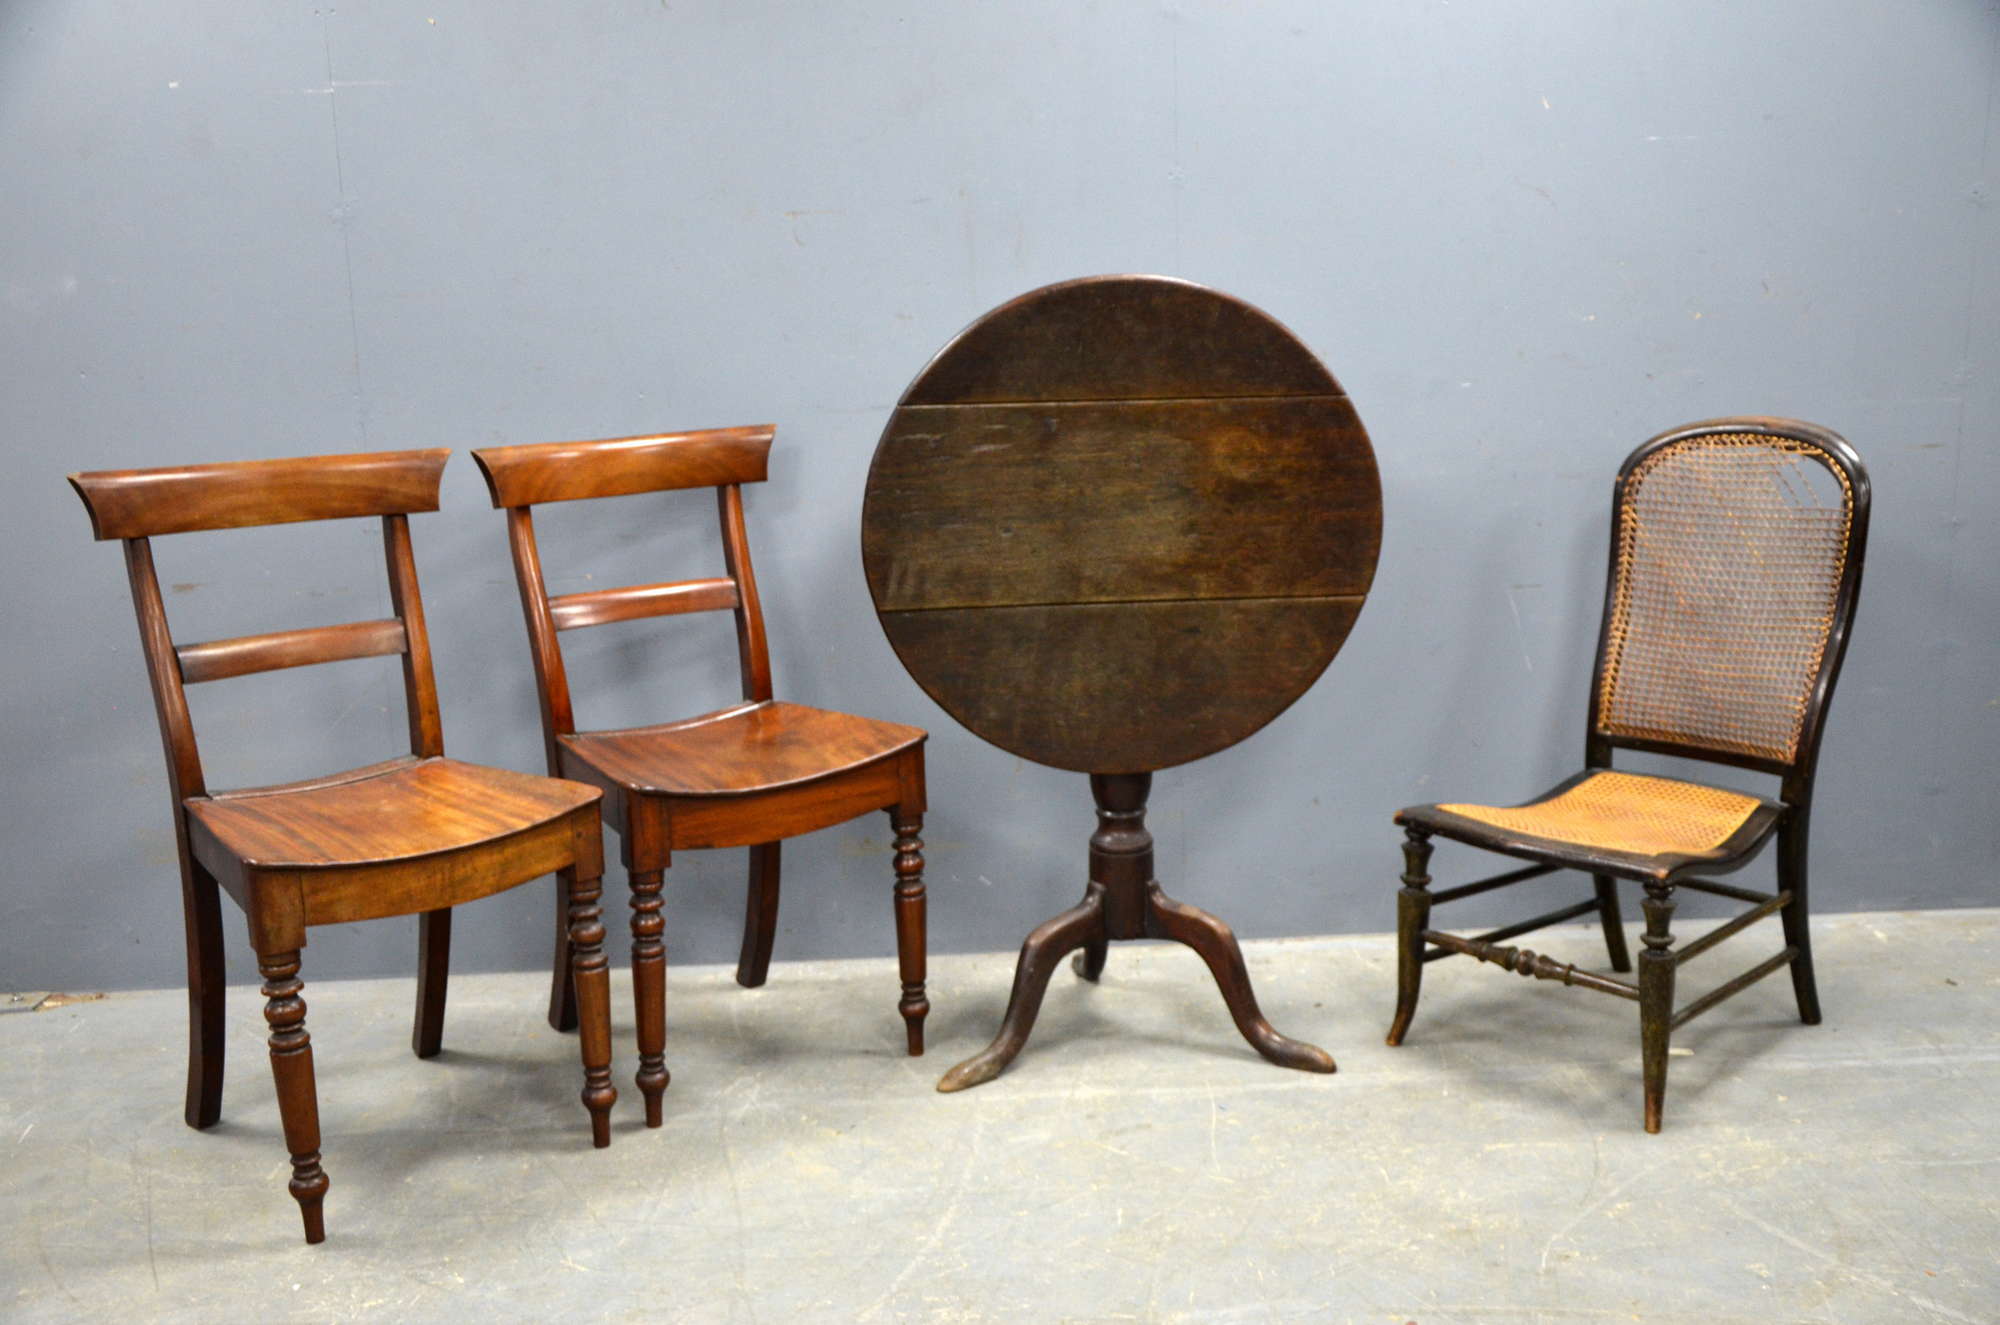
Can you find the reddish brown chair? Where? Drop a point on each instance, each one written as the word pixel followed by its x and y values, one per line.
pixel 749 775
pixel 415 835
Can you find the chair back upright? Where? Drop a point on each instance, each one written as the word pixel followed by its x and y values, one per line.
pixel 136 505
pixel 521 477
pixel 1736 553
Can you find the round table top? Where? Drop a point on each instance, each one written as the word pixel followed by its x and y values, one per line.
pixel 1120 523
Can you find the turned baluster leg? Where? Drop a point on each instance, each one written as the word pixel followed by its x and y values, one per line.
pixel 590 973
pixel 1656 997
pixel 1614 922
pixel 910 937
pixel 433 974
pixel 562 989
pixel 298 1099
pixel 1413 917
pixel 760 916
pixel 1792 879
pixel 649 988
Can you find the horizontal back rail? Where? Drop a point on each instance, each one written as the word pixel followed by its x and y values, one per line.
pixel 619 466
pixel 137 503
pixel 598 607
pixel 218 660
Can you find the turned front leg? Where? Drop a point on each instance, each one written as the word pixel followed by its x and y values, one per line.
pixel 590 973
pixel 298 1097
pixel 910 938
pixel 1413 917
pixel 1656 997
pixel 649 987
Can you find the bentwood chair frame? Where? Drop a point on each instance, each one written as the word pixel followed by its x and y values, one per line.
pixel 414 835
pixel 749 775
pixel 1662 873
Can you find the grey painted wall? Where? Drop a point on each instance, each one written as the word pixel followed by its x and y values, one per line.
pixel 1525 236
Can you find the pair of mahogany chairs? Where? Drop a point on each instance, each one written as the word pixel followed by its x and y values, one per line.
pixel 423 833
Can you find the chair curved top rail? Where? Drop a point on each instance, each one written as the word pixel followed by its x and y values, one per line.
pixel 138 503
pixel 620 466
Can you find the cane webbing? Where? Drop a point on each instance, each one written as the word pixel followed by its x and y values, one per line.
pixel 1730 555
pixel 1627 812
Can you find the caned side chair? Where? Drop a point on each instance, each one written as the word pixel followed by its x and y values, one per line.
pixel 748 775
pixel 1736 554
pixel 415 835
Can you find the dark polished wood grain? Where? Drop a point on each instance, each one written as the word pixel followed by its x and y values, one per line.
pixel 1116 525
pixel 415 835
pixel 749 775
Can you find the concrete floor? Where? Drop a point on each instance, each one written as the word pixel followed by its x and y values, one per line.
pixel 1137 1163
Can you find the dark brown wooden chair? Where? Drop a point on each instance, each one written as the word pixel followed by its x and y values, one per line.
pixel 750 775
pixel 416 835
pixel 1736 554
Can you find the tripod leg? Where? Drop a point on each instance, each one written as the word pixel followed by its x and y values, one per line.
pixel 1217 945
pixel 1052 940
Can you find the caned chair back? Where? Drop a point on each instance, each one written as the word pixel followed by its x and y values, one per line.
pixel 135 505
pixel 520 477
pixel 1736 554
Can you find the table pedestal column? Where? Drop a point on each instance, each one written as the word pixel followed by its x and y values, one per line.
pixel 1124 901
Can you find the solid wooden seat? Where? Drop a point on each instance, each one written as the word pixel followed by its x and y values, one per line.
pixel 416 835
pixel 1736 555
pixel 1627 825
pixel 750 775
pixel 737 751
pixel 384 814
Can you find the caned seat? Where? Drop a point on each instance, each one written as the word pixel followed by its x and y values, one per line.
pixel 1736 555
pixel 417 835
pixel 749 775
pixel 1628 825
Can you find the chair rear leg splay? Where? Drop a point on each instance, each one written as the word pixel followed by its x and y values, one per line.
pixel 433 974
pixel 760 916
pixel 562 981
pixel 1614 923
pixel 202 907
pixel 1798 934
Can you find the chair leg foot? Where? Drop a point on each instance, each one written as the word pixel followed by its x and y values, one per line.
pixel 914 1005
pixel 1413 915
pixel 1656 999
pixel 591 976
pixel 760 916
pixel 649 989
pixel 1614 923
pixel 298 1098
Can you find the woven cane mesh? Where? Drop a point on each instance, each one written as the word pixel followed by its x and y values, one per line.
pixel 1730 555
pixel 1628 812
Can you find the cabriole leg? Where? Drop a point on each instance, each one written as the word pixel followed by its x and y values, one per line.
pixel 298 1098
pixel 1413 917
pixel 591 975
pixel 1656 997
pixel 910 937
